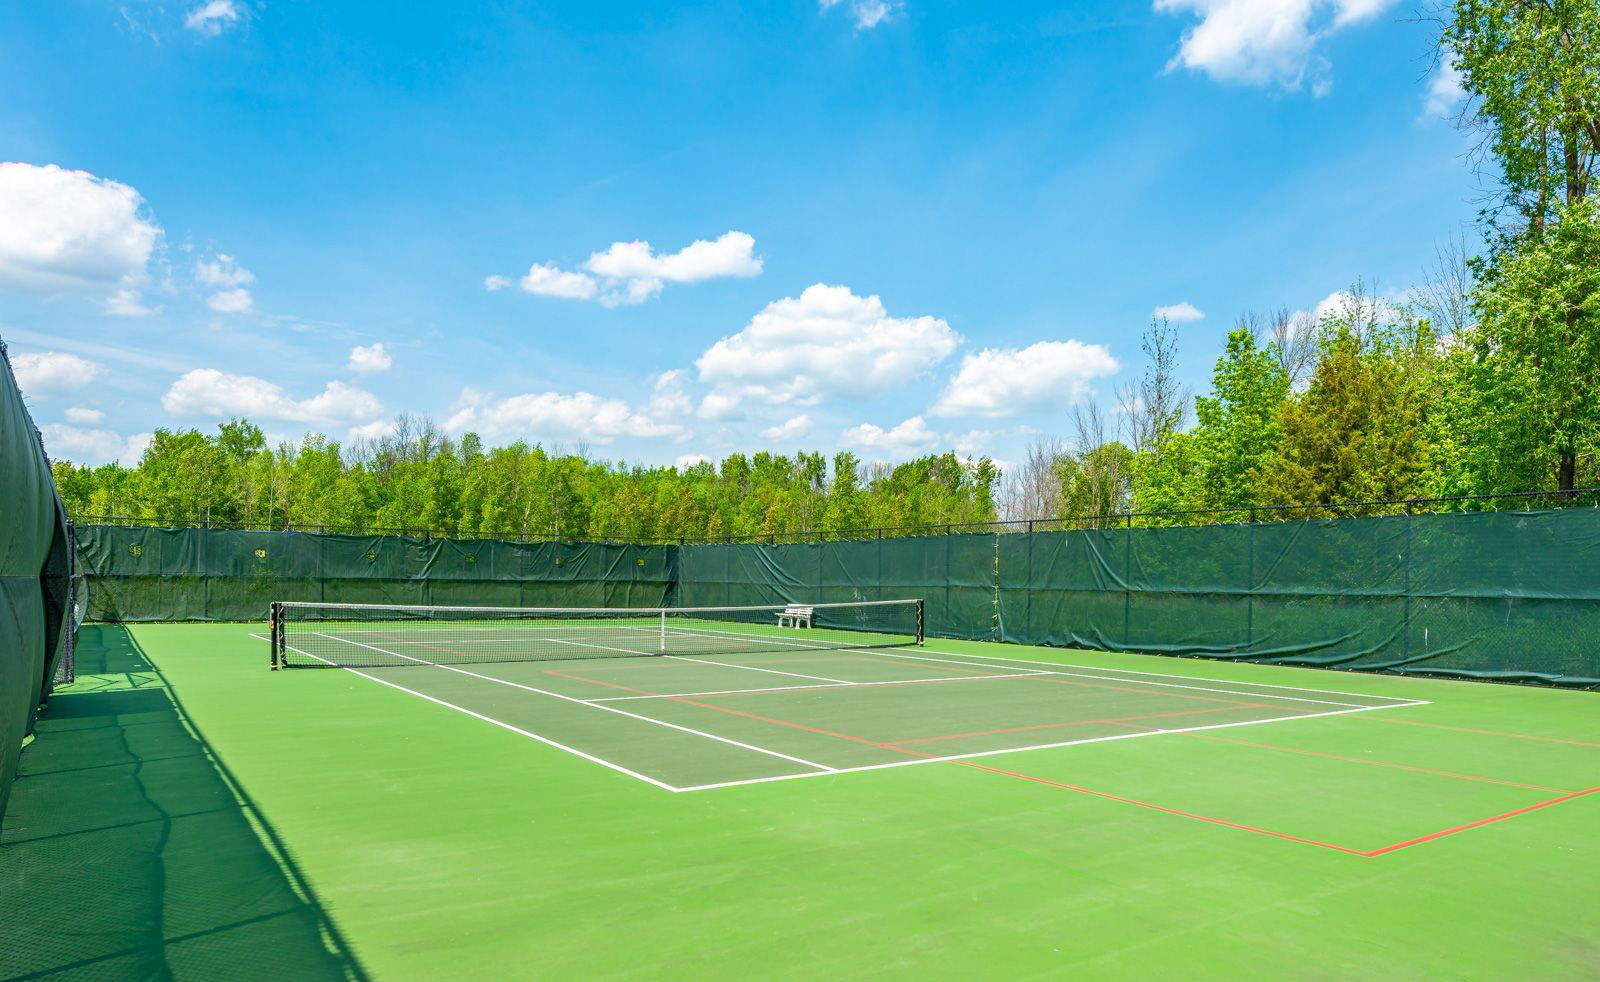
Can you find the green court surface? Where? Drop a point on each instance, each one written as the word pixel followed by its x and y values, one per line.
pixel 961 810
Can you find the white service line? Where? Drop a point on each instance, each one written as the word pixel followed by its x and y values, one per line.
pixel 490 719
pixel 752 668
pixel 1041 746
pixel 584 702
pixel 840 685
pixel 1399 700
pixel 1102 678
pixel 602 647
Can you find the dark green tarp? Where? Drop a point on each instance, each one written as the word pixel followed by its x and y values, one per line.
pixel 151 574
pixel 1500 595
pixel 33 575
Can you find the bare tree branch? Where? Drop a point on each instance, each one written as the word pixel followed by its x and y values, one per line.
pixel 1446 296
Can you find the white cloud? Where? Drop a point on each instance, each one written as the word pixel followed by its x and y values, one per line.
pixel 208 392
pixel 84 446
pixel 719 405
pixel 46 373
pixel 1265 42
pixel 827 341
pixel 581 415
pixel 904 440
pixel 222 272
pixel 1366 309
pixel 1180 312
pixel 668 397
pixel 688 460
pixel 629 273
pixel 633 272
pixel 224 275
pixel 548 281
pixel 866 14
pixel 791 429
pixel 1005 381
pixel 230 301
pixel 85 417
pixel 370 432
pixel 127 302
pixel 1445 90
pixel 370 358
pixel 981 443
pixel 67 231
pixel 630 292
pixel 210 18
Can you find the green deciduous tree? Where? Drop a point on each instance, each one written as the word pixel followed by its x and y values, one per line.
pixel 1538 339
pixel 1358 432
pixel 1237 433
pixel 1533 70
pixel 420 480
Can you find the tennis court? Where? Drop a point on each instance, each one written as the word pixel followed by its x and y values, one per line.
pixel 788 803
pixel 696 702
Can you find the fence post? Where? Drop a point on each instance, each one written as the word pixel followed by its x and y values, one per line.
pixel 1405 630
pixel 1250 588
pixel 1127 581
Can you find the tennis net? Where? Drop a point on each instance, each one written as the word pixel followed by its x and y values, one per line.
pixel 382 635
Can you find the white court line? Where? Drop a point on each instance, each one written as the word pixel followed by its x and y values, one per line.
pixel 605 647
pixel 1052 671
pixel 840 685
pixel 1201 678
pixel 490 719
pixel 1041 746
pixel 583 702
pixel 752 668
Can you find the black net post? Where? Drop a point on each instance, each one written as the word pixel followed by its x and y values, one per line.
pixel 275 633
pixel 921 631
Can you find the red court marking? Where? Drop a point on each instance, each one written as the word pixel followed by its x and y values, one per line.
pixel 1385 850
pixel 1159 808
pixel 1480 823
pixel 1081 722
pixel 1373 763
pixel 435 647
pixel 1463 729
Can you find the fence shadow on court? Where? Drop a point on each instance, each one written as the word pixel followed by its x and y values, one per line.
pixel 130 851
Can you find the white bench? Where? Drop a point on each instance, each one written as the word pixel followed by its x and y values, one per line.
pixel 795 616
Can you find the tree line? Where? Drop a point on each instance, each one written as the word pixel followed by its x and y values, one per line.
pixel 1484 381
pixel 420 479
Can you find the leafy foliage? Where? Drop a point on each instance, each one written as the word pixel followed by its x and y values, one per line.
pixel 421 480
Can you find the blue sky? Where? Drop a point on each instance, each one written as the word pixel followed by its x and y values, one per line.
pixel 664 231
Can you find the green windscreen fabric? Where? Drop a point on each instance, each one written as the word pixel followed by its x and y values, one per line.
pixel 33 575
pixel 1500 595
pixel 952 574
pixel 151 574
